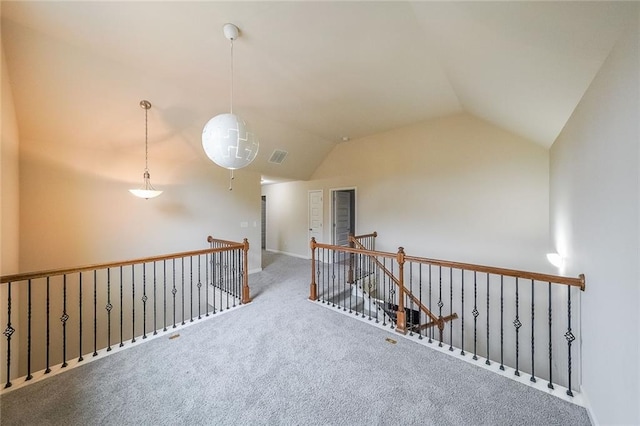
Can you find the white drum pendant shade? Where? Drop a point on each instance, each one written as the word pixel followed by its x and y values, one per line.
pixel 229 142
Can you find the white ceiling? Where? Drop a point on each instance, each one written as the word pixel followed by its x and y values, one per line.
pixel 306 73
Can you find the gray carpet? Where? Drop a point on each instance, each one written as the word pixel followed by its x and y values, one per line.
pixel 282 360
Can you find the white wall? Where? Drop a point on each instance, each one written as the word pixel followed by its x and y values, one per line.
pixel 456 188
pixel 594 172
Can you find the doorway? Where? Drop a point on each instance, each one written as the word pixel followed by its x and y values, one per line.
pixel 316 217
pixel 263 215
pixel 343 213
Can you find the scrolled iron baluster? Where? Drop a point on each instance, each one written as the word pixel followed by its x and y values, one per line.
pixel 108 307
pixel 475 316
pixel 144 300
pixel 64 319
pixel 517 324
pixel 199 286
pixel 502 322
pixel 8 332
pixel 174 291
pixel 206 279
pixel 164 294
pixel 133 304
pixel 570 338
pixel 420 290
pixel 191 286
pixel 462 352
pixel 440 304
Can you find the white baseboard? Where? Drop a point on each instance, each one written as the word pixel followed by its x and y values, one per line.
pixel 588 407
pixel 289 254
pixel 255 270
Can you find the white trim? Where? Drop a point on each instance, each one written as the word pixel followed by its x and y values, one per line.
pixel 300 256
pixel 588 406
pixel 255 270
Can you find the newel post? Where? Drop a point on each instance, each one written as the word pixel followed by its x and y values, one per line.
pixel 246 297
pixel 313 288
pixel 401 316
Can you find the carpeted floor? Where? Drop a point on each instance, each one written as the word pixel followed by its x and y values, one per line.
pixel 282 360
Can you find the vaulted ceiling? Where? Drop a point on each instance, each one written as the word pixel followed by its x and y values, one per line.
pixel 306 74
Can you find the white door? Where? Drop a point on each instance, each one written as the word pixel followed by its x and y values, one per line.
pixel 315 216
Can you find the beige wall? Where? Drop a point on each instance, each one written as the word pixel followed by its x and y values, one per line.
pixel 9 204
pixel 456 188
pixel 595 211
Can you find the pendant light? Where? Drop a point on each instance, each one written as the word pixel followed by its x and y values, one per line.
pixel 226 138
pixel 147 191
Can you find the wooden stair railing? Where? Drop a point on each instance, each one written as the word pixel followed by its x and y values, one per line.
pixel 491 298
pixel 148 289
pixel 401 323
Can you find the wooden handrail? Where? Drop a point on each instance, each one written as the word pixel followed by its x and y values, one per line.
pixel 554 279
pixel 374 234
pixel 210 239
pixel 63 271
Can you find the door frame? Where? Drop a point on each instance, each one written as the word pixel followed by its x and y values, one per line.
pixel 309 232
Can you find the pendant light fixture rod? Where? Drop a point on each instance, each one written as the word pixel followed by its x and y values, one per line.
pixel 231 32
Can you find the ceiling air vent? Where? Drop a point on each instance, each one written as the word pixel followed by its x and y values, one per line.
pixel 278 156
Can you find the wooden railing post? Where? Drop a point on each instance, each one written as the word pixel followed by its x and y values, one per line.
pixel 246 297
pixel 313 288
pixel 401 317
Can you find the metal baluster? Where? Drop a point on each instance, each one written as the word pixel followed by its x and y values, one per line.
pixel 48 351
pixel 347 288
pixel 155 300
pixel 332 283
pixel 214 272
pixel 517 324
pixel 392 293
pixel 384 292
pixel 488 316
pixel 64 319
pixel 409 320
pixel 451 308
pixel 121 308
pixel 174 290
pixel 550 384
pixel 191 286
pixel 420 290
pixel 182 289
pixel 80 358
pixel 533 364
pixel 144 300
pixel 502 322
pixel 430 310
pixel 7 333
pixel 133 304
pixel 475 315
pixel 199 285
pixel 462 352
pixel 95 312
pixel 29 376
pixel 440 304
pixel 108 307
pixel 570 338
pixel 164 294
pixel 206 279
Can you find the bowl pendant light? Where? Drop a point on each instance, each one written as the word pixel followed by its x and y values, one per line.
pixel 226 138
pixel 147 191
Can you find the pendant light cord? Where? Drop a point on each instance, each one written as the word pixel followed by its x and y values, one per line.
pixel 231 107
pixel 146 144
